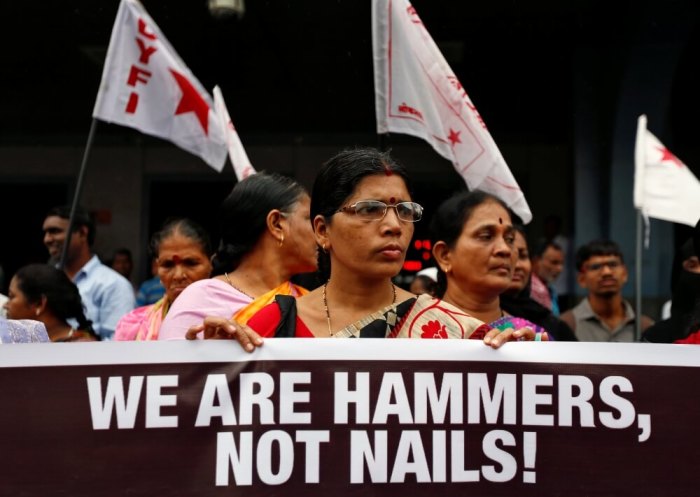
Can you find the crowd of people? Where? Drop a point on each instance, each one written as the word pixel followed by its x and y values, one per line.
pixel 353 230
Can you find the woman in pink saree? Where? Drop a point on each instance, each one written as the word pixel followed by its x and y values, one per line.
pixel 183 256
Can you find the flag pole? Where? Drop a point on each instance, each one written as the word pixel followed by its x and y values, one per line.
pixel 382 139
pixel 639 170
pixel 76 195
pixel 638 281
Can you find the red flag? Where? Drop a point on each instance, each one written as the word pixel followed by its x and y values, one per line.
pixel 418 94
pixel 145 85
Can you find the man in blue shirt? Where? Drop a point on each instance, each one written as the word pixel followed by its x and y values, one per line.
pixel 107 295
pixel 151 290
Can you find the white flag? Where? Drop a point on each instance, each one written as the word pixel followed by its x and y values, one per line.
pixel 145 85
pixel 241 164
pixel 418 94
pixel 664 188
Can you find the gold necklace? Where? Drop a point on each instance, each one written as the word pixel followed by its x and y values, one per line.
pixel 328 314
pixel 236 288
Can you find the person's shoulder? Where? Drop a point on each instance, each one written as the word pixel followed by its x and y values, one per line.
pixel 266 320
pixel 150 291
pixel 210 285
pixel 92 264
pixel 208 297
pixel 108 275
pixel 208 290
pixel 692 339
pixel 149 284
pixel 646 322
pixel 22 331
pixel 431 317
pixel 569 318
pixel 582 308
pixel 197 287
pixel 138 314
pixel 568 312
pixel 128 324
pixel 560 329
pixel 661 332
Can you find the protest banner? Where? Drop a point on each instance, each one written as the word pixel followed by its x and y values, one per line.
pixel 348 417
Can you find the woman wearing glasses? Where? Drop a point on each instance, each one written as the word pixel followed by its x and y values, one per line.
pixel 362 215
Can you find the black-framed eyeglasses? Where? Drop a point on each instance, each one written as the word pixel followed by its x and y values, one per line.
pixel 376 209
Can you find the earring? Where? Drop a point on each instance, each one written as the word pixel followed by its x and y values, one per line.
pixel 323 247
pixel 281 241
pixel 38 311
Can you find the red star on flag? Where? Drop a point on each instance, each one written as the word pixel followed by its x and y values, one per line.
pixel 454 137
pixel 191 101
pixel 666 155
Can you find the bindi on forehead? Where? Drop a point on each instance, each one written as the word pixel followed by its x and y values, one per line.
pixel 392 200
pixel 177 259
pixel 500 220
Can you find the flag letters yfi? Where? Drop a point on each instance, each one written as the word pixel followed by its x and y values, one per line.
pixel 145 85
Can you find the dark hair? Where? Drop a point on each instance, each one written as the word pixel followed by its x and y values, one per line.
pixel 683 253
pixel 82 218
pixel 337 180
pixel 685 302
pixel 541 247
pixel 520 228
pixel 597 248
pixel 62 297
pixel 450 217
pixel 187 228
pixel 244 215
